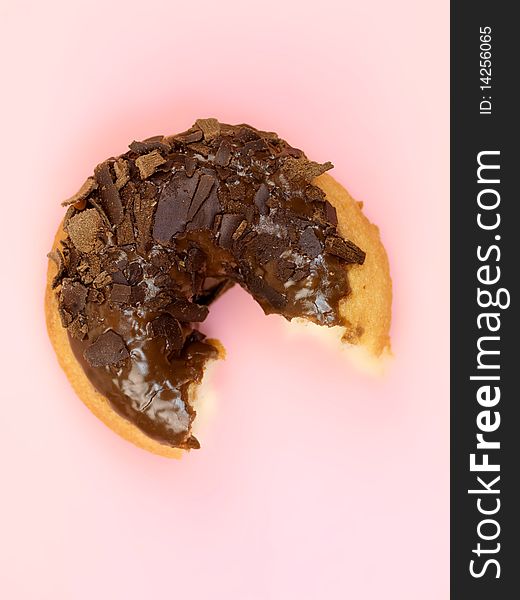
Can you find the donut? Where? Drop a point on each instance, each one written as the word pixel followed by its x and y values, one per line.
pixel 155 235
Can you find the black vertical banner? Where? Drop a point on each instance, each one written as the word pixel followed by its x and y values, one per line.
pixel 485 331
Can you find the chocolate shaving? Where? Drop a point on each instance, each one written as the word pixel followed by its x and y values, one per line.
pixel 284 269
pixel 190 164
pixel 115 259
pixel 84 228
pixel 138 294
pixel 163 280
pixel 196 260
pixel 122 171
pixel 102 280
pixel 309 243
pixel 228 226
pixel 244 241
pixel 239 231
pixel 196 265
pixel 223 155
pixel 206 182
pixel 118 277
pixel 206 214
pixel 246 133
pixel 260 199
pixel 57 257
pixel 147 163
pixel 125 231
pixel 259 287
pixel 300 274
pixel 237 190
pixel 168 327
pixel 173 205
pixel 201 149
pixel 187 312
pixel 330 213
pixel 78 329
pixel 133 273
pixel 162 259
pixel 65 317
pixel 120 293
pixel 314 194
pixel 149 145
pixel 89 268
pixel 143 209
pixel 295 152
pixel 71 256
pixel 265 247
pixel 193 443
pixel 73 296
pixel 108 349
pixel 96 203
pixel 84 192
pixel 302 169
pixel 210 128
pixel 187 137
pixel 158 138
pixel 70 212
pixel 344 249
pixel 254 146
pixel 95 296
pixel 110 200
pixel 216 224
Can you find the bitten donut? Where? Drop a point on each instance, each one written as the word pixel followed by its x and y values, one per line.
pixel 155 235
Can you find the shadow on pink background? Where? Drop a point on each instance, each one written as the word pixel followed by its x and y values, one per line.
pixel 313 481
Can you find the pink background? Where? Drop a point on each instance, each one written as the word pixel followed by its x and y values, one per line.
pixel 314 481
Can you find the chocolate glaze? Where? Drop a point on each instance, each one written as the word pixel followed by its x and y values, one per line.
pixel 158 233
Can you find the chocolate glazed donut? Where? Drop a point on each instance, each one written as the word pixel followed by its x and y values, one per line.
pixel 156 234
